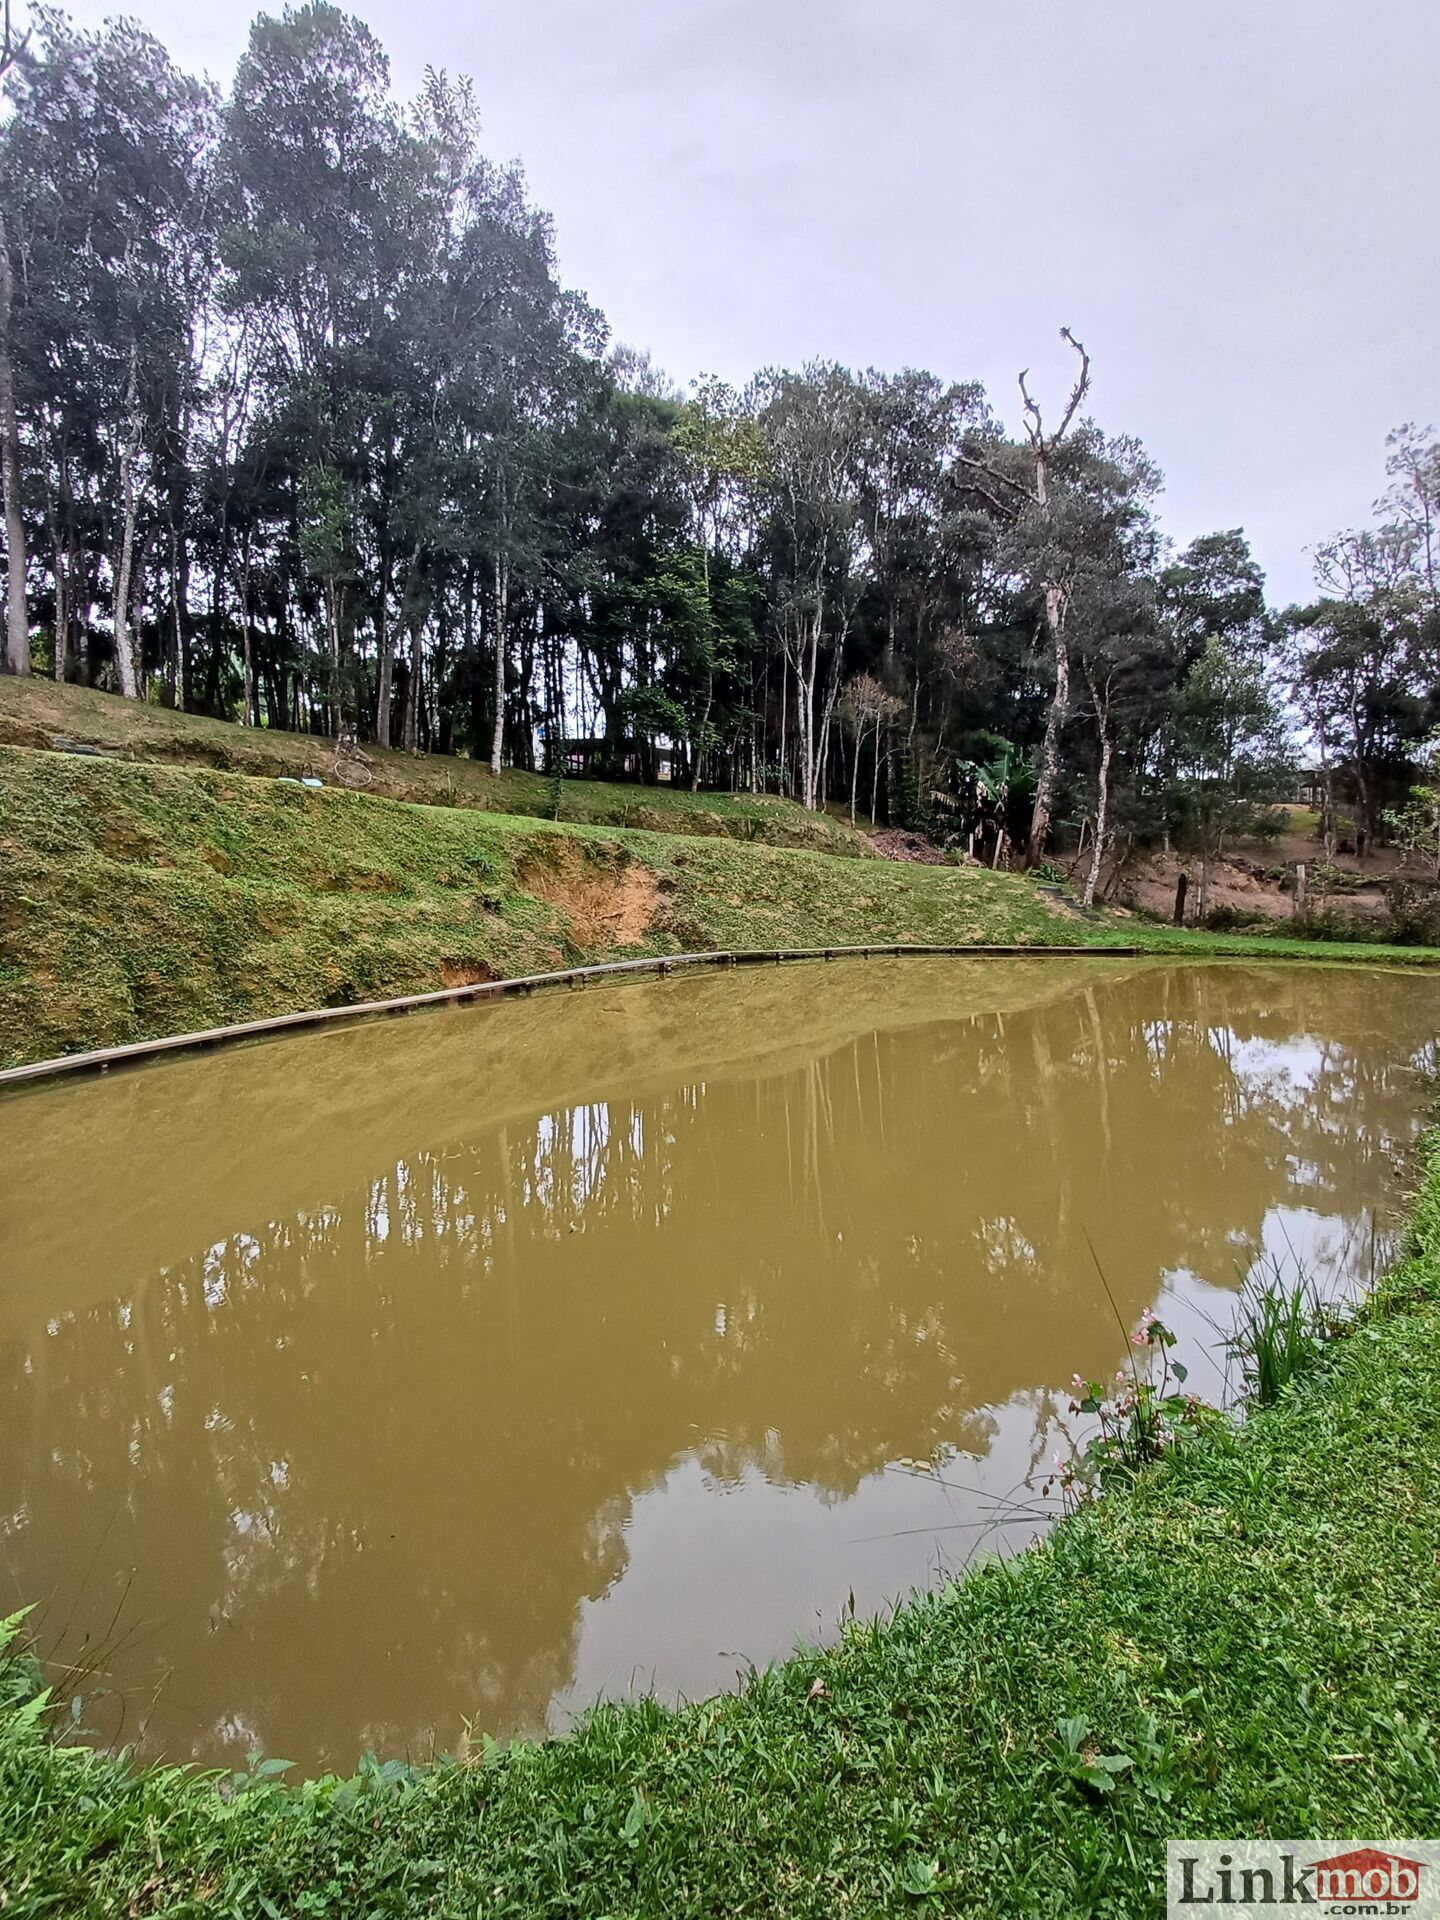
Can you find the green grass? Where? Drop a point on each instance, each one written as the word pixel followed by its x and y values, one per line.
pixel 139 899
pixel 35 713
pixel 1249 1638
pixel 1280 1333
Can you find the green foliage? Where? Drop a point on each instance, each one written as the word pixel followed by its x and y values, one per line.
pixel 1216 593
pixel 1412 914
pixel 1415 825
pixel 1138 1418
pixel 304 349
pixel 327 525
pixel 1232 756
pixel 555 784
pixel 21 1678
pixel 1281 1332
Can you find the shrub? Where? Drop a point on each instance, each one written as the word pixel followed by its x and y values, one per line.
pixel 1281 1332
pixel 1140 1418
pixel 1239 920
pixel 1412 914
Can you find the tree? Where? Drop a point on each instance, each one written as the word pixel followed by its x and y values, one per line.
pixel 865 704
pixel 306 430
pixel 1412 503
pixel 722 459
pixel 102 156
pixel 1415 826
pixel 812 422
pixel 1361 664
pixel 1216 591
pixel 17 624
pixel 1031 508
pixel 1231 752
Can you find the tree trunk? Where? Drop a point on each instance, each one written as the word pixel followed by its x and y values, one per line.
pixel 1102 805
pixel 247 641
pixel 805 668
pixel 17 625
pixel 179 595
pixel 384 669
pixel 827 716
pixel 411 727
pixel 784 711
pixel 124 650
pixel 502 611
pixel 62 617
pixel 1055 599
pixel 697 747
pixel 385 646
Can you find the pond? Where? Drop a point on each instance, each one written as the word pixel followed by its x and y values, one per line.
pixel 474 1366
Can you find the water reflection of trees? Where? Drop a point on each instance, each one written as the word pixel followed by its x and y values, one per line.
pixel 369 1459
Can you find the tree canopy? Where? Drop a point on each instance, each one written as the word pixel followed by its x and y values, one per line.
pixel 301 429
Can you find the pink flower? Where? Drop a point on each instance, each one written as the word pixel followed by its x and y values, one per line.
pixel 1137 1340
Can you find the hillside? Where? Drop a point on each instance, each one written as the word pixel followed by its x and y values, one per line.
pixel 140 899
pixel 37 713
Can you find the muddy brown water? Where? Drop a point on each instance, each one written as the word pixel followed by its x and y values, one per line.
pixel 479 1365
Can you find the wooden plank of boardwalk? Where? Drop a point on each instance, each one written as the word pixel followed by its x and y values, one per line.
pixel 102 1059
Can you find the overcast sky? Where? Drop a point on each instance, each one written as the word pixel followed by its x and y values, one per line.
pixel 1232 202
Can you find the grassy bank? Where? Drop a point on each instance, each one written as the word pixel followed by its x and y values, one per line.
pixel 139 899
pixel 36 713
pixel 1249 1637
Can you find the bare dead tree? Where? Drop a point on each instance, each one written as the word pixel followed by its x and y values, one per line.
pixel 1011 500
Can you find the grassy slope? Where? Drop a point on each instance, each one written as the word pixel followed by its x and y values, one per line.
pixel 1254 1626
pixel 142 899
pixel 34 713
pixel 139 899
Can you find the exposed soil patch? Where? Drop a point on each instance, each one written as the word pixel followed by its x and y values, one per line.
pixel 896 844
pixel 15 733
pixel 1238 885
pixel 609 901
pixel 357 879
pixel 465 973
pixel 1258 877
pixel 120 841
pixel 277 916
